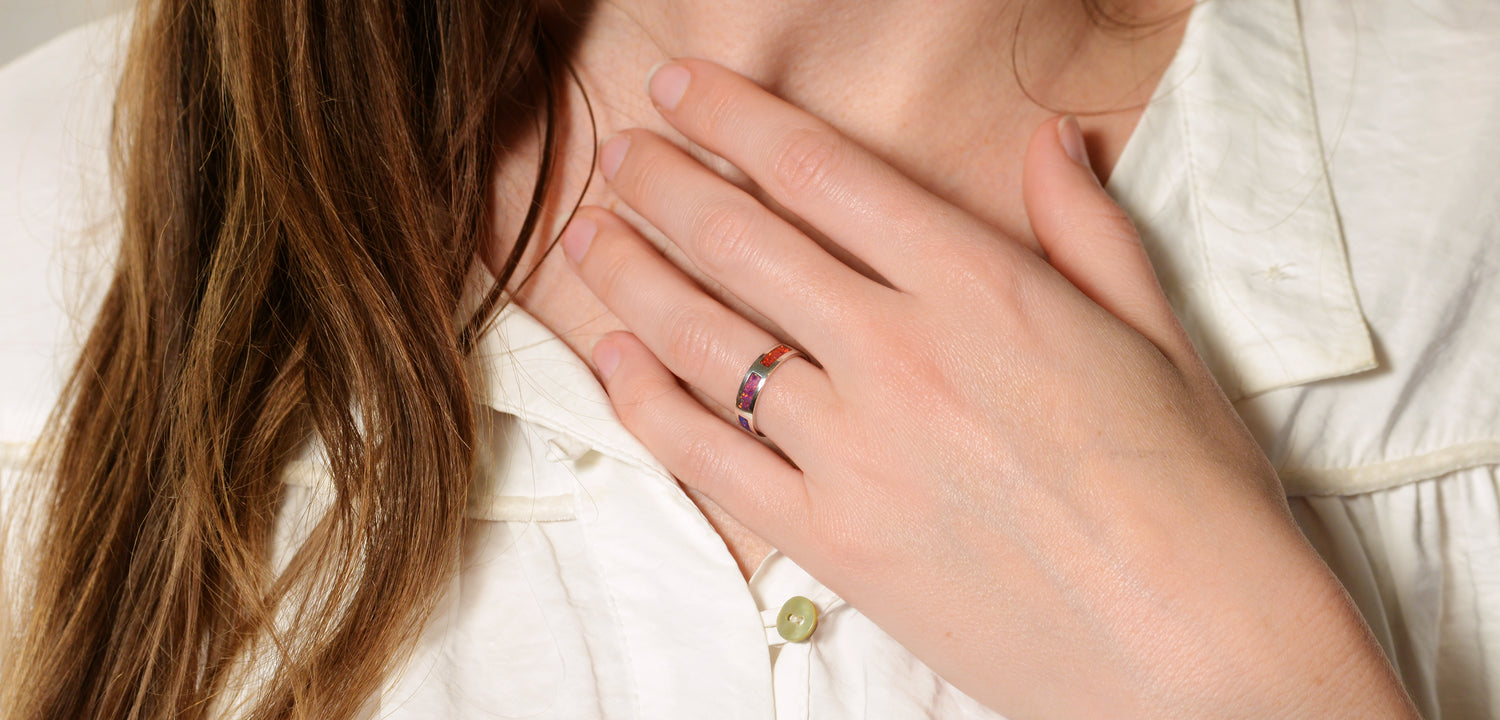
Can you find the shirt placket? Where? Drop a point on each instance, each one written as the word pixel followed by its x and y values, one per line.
pixel 793 643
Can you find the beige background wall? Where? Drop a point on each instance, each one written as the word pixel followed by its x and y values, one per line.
pixel 25 24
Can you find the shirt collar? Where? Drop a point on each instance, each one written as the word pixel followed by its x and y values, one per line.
pixel 1225 178
pixel 527 371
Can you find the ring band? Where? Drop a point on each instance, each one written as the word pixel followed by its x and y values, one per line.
pixel 755 381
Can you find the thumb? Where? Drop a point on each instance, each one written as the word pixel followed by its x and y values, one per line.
pixel 1089 239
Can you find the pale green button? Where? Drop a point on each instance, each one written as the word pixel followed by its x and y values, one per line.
pixel 797 619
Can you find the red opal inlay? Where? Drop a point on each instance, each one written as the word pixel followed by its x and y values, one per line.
pixel 776 353
pixel 755 379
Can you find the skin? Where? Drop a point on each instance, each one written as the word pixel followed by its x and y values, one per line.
pixel 1035 479
pixel 939 101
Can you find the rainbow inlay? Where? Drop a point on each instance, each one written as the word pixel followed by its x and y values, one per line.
pixel 755 380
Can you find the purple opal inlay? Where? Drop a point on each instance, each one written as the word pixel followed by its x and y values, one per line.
pixel 746 399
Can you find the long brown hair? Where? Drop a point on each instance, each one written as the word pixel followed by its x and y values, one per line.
pixel 305 186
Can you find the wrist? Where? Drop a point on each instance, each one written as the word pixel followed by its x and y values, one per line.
pixel 1296 645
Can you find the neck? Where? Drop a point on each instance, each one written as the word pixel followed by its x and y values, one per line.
pixel 948 92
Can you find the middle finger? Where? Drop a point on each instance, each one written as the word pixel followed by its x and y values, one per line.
pixel 726 233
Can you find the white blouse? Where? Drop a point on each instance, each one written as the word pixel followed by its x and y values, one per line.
pixel 1319 186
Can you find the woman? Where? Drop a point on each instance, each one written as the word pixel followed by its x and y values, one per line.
pixel 1018 469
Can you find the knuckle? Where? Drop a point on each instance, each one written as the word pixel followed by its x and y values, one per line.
pixel 717 110
pixel 894 350
pixel 873 329
pixel 988 277
pixel 805 160
pixel 646 170
pixel 910 368
pixel 634 398
pixel 834 304
pixel 692 337
pixel 611 273
pixel 724 232
pixel 1109 224
pixel 846 541
pixel 701 459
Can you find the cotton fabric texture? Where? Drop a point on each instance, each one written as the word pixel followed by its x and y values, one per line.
pixel 1317 184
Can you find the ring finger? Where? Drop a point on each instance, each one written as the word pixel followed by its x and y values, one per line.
pixel 699 339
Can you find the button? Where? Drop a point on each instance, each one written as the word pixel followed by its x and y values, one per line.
pixel 797 619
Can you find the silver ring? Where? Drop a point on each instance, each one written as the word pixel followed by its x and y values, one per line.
pixel 755 381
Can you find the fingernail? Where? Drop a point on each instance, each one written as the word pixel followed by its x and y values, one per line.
pixel 612 154
pixel 577 236
pixel 1071 137
pixel 667 84
pixel 606 358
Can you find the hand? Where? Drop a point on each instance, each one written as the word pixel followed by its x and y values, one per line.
pixel 1016 465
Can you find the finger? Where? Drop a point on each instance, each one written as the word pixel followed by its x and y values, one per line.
pixel 844 191
pixel 1089 239
pixel 744 477
pixel 703 342
pixel 735 240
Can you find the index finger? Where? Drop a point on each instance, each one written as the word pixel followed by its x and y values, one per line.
pixel 844 191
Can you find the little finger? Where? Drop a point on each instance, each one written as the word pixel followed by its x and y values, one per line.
pixel 746 478
pixel 703 342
